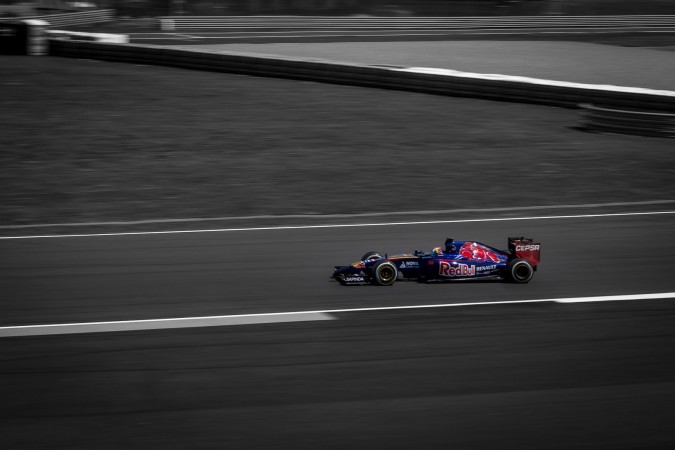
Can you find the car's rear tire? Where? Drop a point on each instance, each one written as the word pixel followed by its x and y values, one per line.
pixel 520 271
pixel 369 255
pixel 384 273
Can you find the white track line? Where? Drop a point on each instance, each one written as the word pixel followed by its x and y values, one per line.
pixel 308 227
pixel 160 324
pixel 606 298
pixel 341 216
pixel 294 316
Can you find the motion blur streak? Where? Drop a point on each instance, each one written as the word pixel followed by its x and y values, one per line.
pixel 250 319
pixel 307 227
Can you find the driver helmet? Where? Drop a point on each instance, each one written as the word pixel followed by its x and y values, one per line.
pixel 437 251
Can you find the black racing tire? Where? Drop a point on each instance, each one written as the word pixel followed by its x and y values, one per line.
pixel 519 271
pixel 369 254
pixel 384 273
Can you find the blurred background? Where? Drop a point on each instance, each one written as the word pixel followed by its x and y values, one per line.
pixel 146 8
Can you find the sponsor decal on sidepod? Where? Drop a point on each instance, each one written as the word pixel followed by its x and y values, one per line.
pixel 461 270
pixel 409 264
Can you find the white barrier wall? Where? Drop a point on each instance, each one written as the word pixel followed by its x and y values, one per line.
pixel 95 37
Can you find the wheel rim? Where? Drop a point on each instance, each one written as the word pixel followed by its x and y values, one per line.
pixel 522 272
pixel 386 274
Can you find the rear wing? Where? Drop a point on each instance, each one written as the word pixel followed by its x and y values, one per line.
pixel 525 248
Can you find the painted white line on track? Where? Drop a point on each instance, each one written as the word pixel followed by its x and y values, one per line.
pixel 606 298
pixel 617 298
pixel 340 216
pixel 280 317
pixel 358 225
pixel 160 324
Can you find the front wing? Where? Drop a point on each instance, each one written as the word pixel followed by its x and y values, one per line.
pixel 349 275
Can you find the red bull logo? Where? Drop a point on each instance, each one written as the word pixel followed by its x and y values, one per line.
pixel 475 252
pixel 459 270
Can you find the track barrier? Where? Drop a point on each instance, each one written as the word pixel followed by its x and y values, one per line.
pixel 504 88
pixel 641 123
pixel 27 37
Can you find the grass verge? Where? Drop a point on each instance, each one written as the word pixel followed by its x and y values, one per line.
pixel 95 141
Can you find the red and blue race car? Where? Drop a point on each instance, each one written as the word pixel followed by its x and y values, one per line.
pixel 459 260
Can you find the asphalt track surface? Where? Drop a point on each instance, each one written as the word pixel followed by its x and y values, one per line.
pixel 653 37
pixel 577 62
pixel 544 375
pixel 629 30
pixel 82 279
pixel 356 35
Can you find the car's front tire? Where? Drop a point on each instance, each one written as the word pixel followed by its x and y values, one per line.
pixel 519 271
pixel 385 273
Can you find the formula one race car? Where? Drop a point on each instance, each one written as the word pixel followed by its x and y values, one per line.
pixel 459 260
